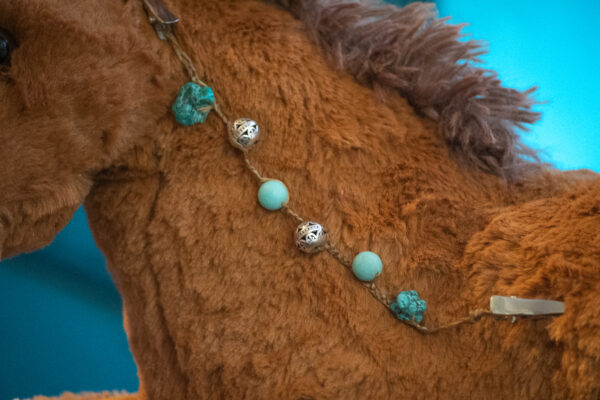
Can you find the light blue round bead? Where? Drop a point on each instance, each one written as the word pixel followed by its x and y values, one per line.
pixel 272 194
pixel 366 266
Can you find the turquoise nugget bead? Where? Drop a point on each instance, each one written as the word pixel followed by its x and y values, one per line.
pixel 408 306
pixel 191 98
pixel 366 266
pixel 272 195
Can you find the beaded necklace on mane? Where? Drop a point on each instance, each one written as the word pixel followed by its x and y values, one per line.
pixel 194 103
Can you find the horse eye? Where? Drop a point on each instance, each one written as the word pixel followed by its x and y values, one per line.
pixel 7 45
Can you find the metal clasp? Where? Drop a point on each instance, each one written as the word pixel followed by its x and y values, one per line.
pixel 512 306
pixel 160 17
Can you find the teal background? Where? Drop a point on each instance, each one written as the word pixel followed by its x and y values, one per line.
pixel 61 326
pixel 60 314
pixel 554 45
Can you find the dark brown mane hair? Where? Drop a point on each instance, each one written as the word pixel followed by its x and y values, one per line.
pixel 421 56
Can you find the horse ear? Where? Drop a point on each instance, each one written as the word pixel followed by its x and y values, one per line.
pixel 413 52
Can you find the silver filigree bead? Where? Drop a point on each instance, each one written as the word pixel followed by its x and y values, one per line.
pixel 310 237
pixel 243 133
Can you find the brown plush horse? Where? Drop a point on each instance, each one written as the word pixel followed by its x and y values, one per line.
pixel 398 147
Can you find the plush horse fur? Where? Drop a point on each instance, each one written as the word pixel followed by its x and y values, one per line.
pixel 412 52
pixel 219 303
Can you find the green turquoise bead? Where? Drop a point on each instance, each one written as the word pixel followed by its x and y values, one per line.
pixel 192 98
pixel 408 306
pixel 366 266
pixel 272 195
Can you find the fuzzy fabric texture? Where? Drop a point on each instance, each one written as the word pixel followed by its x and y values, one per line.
pixel 422 57
pixel 219 303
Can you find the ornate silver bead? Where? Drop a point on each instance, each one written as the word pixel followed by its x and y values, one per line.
pixel 243 133
pixel 310 237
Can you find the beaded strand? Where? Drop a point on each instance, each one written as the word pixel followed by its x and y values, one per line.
pixel 194 101
pixel 193 104
pixel 312 238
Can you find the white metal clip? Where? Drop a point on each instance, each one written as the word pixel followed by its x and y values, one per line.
pixel 505 305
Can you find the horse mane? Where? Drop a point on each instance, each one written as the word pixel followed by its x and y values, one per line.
pixel 422 57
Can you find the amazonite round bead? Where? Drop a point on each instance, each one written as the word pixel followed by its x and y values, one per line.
pixel 272 195
pixel 366 266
